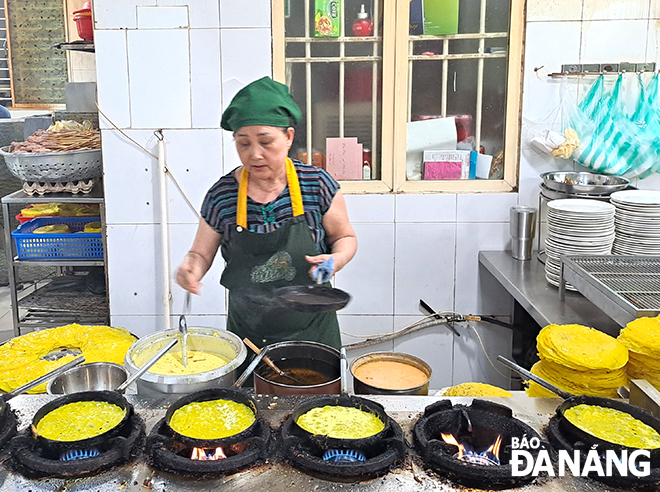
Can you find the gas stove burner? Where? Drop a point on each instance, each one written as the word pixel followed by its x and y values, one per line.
pixel 561 440
pixel 343 456
pixel 361 462
pixel 471 445
pixel 7 427
pixel 235 454
pixel 33 461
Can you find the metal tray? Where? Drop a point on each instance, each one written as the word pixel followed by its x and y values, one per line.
pixel 623 287
pixel 588 183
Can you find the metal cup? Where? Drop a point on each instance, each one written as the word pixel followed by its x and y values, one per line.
pixel 522 226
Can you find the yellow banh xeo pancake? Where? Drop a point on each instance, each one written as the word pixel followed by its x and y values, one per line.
pixel 476 389
pixel 80 420
pixel 642 336
pixel 213 419
pixel 613 426
pixel 580 347
pixel 198 361
pixel 340 422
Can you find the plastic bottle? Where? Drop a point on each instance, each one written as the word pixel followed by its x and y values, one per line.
pixel 363 25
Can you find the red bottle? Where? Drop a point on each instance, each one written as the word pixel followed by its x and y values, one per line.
pixel 363 25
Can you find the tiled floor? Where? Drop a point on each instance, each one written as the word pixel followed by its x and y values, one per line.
pixel 6 327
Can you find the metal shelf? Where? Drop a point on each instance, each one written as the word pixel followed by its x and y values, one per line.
pixel 62 262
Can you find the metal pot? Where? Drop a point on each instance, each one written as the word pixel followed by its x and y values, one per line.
pixel 362 388
pixel 594 184
pixel 97 376
pixel 306 355
pixel 216 341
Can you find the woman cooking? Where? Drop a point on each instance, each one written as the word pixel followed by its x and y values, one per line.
pixel 274 219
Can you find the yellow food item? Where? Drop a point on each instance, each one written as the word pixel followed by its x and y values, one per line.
pixel 475 389
pixel 80 420
pixel 592 383
pixel 93 227
pixel 41 210
pixel 613 426
pixel 390 375
pixel 52 229
pixel 60 209
pixel 340 422
pixel 170 364
pixel 213 419
pixel 21 357
pixel 580 347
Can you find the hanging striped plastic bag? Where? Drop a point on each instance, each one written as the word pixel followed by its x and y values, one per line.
pixel 647 118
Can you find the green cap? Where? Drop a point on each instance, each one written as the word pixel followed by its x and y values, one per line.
pixel 262 102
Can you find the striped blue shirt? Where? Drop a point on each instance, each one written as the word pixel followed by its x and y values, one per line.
pixel 317 187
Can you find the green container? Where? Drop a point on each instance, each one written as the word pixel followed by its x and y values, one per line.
pixel 326 18
pixel 440 17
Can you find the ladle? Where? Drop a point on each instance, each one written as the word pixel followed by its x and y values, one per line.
pixel 271 364
pixel 122 387
pixel 183 328
pixel 43 379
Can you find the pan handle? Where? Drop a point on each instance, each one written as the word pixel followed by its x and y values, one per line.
pixel 253 365
pixel 44 378
pixel 524 372
pixel 145 368
pixel 343 368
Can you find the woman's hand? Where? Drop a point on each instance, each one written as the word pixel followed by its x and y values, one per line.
pixel 190 272
pixel 316 260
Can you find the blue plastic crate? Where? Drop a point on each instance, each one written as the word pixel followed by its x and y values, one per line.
pixel 30 246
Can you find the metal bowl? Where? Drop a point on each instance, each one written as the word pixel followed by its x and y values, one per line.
pixel 594 184
pixel 213 340
pixel 97 376
pixel 362 388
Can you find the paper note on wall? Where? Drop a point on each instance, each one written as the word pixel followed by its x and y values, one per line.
pixel 434 134
pixel 343 158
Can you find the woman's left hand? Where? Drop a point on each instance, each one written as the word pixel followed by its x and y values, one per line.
pixel 315 260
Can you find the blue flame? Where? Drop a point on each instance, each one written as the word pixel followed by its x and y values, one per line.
pixel 343 456
pixel 79 454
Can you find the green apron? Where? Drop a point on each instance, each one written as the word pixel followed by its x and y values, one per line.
pixel 264 262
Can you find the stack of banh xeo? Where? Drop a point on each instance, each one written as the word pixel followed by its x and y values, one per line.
pixel 579 360
pixel 642 339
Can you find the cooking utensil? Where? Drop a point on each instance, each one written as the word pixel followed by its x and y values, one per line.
pixel 570 400
pixel 97 376
pixel 183 328
pixel 114 397
pixel 218 342
pixel 4 398
pixel 307 359
pixel 435 314
pixel 362 388
pixel 311 298
pixel 271 364
pixel 595 184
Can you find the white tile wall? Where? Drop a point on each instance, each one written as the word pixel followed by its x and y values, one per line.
pixel 205 78
pixel 615 9
pixel 426 208
pixel 159 67
pixel 629 43
pixel 653 41
pixel 112 78
pixel 485 207
pixel 370 275
pixel 553 10
pixel 194 158
pixel 130 177
pixel 655 9
pixel 117 14
pixel 239 13
pixel 434 345
pixel 162 17
pixel 476 291
pixel 230 159
pixel 364 326
pixel 202 14
pixel 424 267
pixel 138 325
pixel 370 209
pixel 470 362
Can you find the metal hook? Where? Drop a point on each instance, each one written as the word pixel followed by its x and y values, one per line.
pixel 159 134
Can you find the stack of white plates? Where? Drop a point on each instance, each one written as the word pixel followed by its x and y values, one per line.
pixel 637 222
pixel 577 226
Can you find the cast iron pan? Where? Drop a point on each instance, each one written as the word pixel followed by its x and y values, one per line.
pixel 312 298
pixel 570 401
pixel 115 397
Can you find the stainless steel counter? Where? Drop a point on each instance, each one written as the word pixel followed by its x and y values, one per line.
pixel 275 477
pixel 525 281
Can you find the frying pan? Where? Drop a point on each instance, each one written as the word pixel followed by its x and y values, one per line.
pixel 343 400
pixel 297 298
pixel 570 400
pixel 233 394
pixel 36 382
pixel 115 397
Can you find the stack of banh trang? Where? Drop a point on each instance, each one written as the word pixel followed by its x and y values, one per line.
pixel 642 339
pixel 579 360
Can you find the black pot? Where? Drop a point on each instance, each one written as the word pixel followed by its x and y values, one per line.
pixel 97 441
pixel 206 395
pixel 363 404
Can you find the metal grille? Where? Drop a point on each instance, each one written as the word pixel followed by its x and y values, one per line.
pixel 627 265
pixel 643 301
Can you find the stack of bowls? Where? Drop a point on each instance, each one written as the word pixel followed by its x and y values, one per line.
pixel 577 227
pixel 637 222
